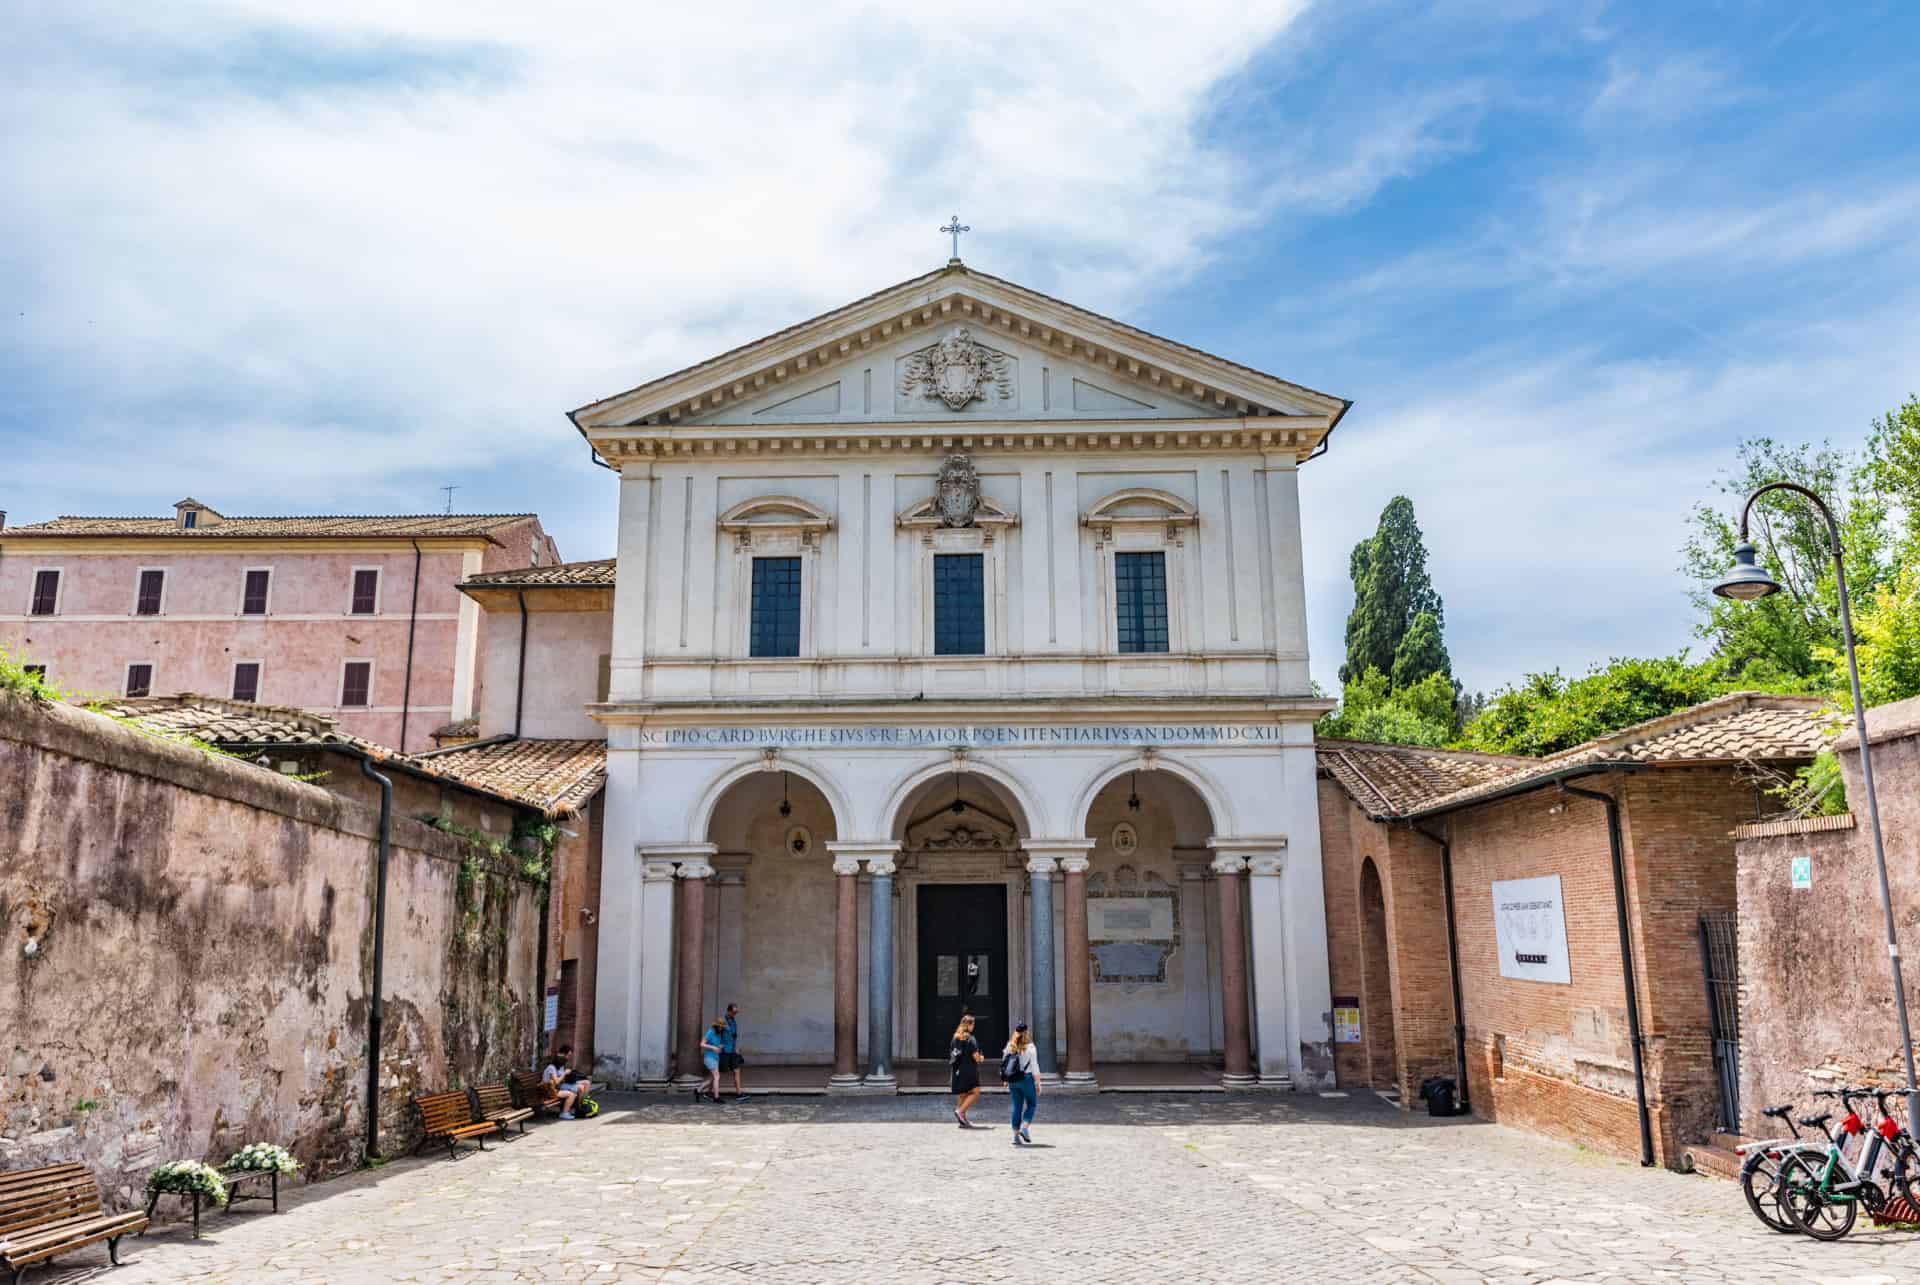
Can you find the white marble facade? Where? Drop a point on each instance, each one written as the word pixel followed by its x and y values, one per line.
pixel 827 443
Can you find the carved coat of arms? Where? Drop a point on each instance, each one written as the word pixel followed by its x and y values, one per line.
pixel 957 492
pixel 957 371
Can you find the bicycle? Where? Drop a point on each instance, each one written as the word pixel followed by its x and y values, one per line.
pixel 1760 1172
pixel 1823 1197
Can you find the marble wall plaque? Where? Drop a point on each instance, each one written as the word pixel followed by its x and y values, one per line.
pixel 1130 919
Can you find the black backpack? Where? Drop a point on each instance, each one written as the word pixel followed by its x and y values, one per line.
pixel 1010 1067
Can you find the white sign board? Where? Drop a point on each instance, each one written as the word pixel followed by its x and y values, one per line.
pixel 551 1018
pixel 1802 871
pixel 1130 918
pixel 1530 929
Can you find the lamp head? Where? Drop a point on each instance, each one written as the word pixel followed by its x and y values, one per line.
pixel 1746 581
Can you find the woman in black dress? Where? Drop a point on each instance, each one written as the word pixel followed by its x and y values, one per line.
pixel 964 1059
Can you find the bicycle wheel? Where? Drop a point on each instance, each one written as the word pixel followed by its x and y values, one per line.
pixel 1760 1180
pixel 1811 1209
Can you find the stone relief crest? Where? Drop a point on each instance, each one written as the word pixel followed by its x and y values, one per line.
pixel 958 371
pixel 957 492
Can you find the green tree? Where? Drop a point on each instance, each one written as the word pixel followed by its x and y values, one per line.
pixel 1546 713
pixel 1776 641
pixel 1371 710
pixel 1421 653
pixel 1390 589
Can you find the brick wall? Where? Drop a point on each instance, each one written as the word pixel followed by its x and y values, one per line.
pixel 1553 1058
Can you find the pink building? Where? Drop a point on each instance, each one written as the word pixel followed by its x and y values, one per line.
pixel 358 618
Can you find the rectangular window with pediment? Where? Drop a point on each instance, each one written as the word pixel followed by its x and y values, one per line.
pixel 959 605
pixel 775 627
pixel 1140 600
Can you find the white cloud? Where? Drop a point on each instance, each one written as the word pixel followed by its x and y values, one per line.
pixel 374 238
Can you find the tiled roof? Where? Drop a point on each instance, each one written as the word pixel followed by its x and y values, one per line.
pixel 459 727
pixel 1404 780
pixel 1387 780
pixel 553 776
pixel 394 526
pixel 597 573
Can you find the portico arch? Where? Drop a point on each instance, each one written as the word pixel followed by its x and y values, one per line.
pixel 1203 785
pixel 701 818
pixel 1014 791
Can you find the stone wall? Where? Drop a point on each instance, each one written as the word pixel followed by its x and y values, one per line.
pixel 1816 994
pixel 187 947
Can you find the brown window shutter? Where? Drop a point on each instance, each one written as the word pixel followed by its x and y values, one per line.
pixel 151 583
pixel 246 681
pixel 254 598
pixel 366 592
pixel 355 684
pixel 46 592
pixel 139 680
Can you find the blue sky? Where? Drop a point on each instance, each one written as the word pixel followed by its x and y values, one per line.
pixel 1561 256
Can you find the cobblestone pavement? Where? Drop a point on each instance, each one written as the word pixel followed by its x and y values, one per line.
pixel 1121 1188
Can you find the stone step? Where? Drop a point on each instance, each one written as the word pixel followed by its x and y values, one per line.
pixel 1711 1158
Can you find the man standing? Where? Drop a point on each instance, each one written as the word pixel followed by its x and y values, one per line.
pixel 730 1059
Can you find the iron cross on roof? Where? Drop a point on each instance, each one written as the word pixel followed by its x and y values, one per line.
pixel 956 228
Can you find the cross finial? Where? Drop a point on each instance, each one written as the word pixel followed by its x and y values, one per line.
pixel 956 228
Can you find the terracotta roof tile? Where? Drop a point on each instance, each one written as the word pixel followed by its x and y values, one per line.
pixel 398 526
pixel 597 573
pixel 1403 780
pixel 1387 780
pixel 553 776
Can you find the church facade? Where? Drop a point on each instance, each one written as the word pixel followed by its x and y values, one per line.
pixel 959 663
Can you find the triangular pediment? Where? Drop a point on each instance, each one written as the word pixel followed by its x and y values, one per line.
pixel 960 347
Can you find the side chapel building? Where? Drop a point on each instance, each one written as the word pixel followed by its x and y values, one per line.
pixel 958 661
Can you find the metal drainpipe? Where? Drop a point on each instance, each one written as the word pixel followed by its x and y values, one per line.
pixel 520 683
pixel 1626 964
pixel 413 614
pixel 1453 968
pixel 376 1011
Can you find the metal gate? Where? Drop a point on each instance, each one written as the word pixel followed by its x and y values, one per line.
pixel 1720 963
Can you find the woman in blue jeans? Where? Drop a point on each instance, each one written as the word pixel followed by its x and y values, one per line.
pixel 1023 1085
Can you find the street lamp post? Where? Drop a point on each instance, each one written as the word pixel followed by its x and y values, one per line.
pixel 1746 582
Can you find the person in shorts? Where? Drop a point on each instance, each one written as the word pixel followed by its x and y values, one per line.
pixel 730 1059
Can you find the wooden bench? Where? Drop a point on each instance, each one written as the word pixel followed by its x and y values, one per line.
pixel 54 1209
pixel 450 1116
pixel 534 1093
pixel 495 1102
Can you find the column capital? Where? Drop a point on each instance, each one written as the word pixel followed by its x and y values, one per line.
pixel 879 854
pixel 1267 864
pixel 656 872
pixel 1229 865
pixel 694 868
pixel 1040 865
pixel 846 865
pixel 1056 849
pixel 1075 865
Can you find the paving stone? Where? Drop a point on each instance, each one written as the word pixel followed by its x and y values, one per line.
pixel 1143 1188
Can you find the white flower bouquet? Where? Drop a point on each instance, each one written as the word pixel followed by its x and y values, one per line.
pixel 185 1178
pixel 265 1157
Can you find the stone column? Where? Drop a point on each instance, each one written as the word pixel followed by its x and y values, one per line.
pixel 1040 960
pixel 653 988
pixel 1230 871
pixel 880 974
pixel 846 972
pixel 693 876
pixel 1279 1039
pixel 1079 972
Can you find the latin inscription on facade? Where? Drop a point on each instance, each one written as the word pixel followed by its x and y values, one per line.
pixel 967 734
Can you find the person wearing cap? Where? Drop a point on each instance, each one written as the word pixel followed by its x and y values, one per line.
pixel 1020 1068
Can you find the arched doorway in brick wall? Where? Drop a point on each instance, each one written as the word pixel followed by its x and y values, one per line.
pixel 1376 990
